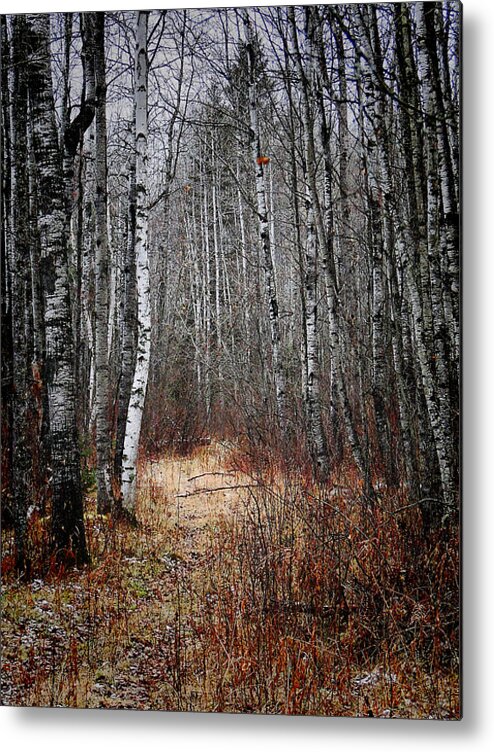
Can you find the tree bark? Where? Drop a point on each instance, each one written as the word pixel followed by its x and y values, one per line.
pixel 69 541
pixel 19 291
pixel 139 385
pixel 102 276
pixel 128 336
pixel 264 234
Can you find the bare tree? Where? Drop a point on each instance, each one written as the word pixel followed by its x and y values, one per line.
pixel 67 523
pixel 261 161
pixel 102 261
pixel 139 386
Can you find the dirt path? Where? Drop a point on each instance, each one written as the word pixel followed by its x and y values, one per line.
pixel 118 634
pixel 185 504
pixel 199 492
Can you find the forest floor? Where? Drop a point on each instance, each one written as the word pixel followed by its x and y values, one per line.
pixel 170 616
pixel 111 636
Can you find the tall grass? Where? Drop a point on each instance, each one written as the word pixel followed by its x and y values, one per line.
pixel 288 597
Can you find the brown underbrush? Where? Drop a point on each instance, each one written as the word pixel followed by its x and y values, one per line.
pixel 242 591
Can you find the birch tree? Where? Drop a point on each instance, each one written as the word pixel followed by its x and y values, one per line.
pixel 316 428
pixel 128 318
pixel 5 248
pixel 139 385
pixel 436 382
pixel 103 434
pixel 261 161
pixel 67 512
pixel 19 291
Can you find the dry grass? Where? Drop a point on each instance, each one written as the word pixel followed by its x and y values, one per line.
pixel 243 593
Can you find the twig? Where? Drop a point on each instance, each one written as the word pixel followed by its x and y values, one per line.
pixel 201 475
pixel 418 503
pixel 213 490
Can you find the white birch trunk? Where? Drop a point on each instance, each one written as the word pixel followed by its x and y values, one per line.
pixel 87 323
pixel 139 386
pixel 128 315
pixel 245 290
pixel 436 380
pixel 314 413
pixel 436 127
pixel 340 401
pixel 377 182
pixel 267 254
pixel 217 274
pixel 196 295
pixel 207 302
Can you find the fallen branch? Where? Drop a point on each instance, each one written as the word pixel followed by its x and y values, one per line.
pixel 201 475
pixel 214 490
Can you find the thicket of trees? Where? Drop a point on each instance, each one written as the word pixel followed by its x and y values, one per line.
pixel 231 223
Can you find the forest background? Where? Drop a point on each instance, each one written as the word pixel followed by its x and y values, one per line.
pixel 471 87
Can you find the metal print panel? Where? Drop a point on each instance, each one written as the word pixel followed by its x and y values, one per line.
pixel 230 360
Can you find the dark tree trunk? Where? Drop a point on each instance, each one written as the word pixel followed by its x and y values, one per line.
pixel 19 289
pixel 69 541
